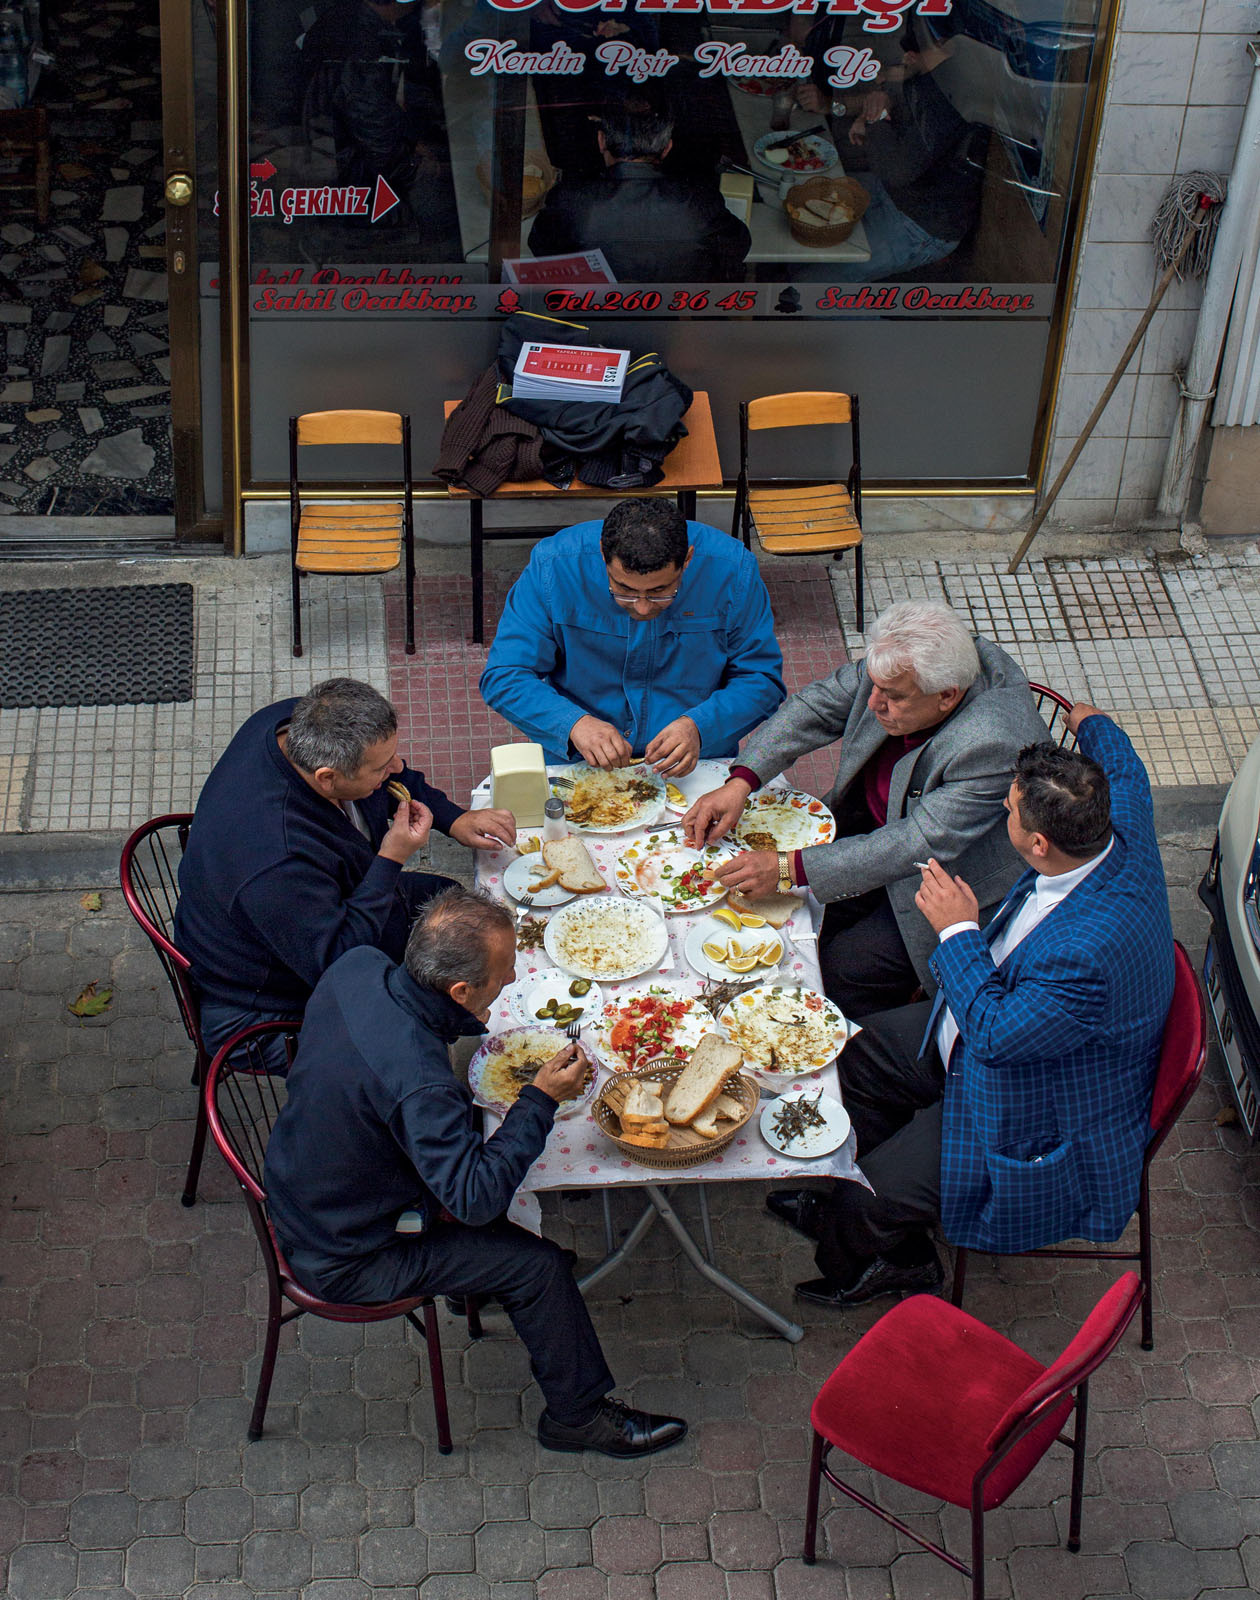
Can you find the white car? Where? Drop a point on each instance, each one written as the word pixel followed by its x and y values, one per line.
pixel 1231 964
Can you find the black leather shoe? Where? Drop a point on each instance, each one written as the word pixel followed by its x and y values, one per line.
pixel 617 1430
pixel 799 1208
pixel 880 1277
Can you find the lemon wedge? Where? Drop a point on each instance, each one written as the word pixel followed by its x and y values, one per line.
pixel 674 795
pixel 749 919
pixel 714 951
pixel 529 847
pixel 742 963
pixel 770 953
pixel 729 917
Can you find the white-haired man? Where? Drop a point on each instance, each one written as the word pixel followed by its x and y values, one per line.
pixel 930 725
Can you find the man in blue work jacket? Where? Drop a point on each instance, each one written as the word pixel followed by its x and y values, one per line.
pixel 644 635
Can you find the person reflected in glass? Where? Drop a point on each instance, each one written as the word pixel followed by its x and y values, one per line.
pixel 907 145
pixel 653 227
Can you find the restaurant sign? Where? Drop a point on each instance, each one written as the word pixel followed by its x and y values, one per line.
pixel 503 58
pixel 878 16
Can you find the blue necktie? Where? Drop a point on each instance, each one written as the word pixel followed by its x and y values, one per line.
pixel 1010 907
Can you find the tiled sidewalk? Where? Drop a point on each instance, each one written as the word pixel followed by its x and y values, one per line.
pixel 1171 645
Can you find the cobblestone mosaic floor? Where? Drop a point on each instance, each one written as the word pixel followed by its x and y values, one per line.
pixel 84 396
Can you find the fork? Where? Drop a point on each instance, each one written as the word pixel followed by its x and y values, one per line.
pixel 523 907
pixel 573 1030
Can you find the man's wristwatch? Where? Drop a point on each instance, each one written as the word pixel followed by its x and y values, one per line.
pixel 785 872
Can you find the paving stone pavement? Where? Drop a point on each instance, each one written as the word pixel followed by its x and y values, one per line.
pixel 130 1329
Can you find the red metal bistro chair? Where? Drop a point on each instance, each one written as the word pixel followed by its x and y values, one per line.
pixel 243 1095
pixel 935 1400
pixel 150 884
pixel 1054 707
pixel 1181 1058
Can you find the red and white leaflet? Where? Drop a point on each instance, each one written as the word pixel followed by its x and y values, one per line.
pixel 569 372
pixel 585 266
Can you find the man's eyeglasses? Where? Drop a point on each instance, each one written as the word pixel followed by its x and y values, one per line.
pixel 628 600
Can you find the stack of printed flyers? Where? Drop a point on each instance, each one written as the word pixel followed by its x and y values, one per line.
pixel 569 372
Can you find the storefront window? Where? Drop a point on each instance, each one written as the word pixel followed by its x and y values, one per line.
pixel 871 193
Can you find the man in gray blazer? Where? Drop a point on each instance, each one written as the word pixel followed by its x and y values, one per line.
pixel 930 724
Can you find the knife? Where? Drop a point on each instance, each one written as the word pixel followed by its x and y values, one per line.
pixel 791 138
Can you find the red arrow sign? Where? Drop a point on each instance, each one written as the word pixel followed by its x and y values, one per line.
pixel 383 200
pixel 262 169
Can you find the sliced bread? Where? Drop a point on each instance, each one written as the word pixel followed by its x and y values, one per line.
pixel 701 1080
pixel 728 1108
pixel 776 909
pixel 571 858
pixel 641 1107
pixel 646 1138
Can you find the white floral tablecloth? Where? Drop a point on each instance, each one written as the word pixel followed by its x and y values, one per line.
pixel 577 1155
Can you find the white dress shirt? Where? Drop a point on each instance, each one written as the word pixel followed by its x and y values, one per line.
pixel 1046 893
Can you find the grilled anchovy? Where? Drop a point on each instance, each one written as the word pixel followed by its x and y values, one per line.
pixel 794 1118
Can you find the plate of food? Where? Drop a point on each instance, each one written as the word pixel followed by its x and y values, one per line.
pixel 506 1062
pixel 784 1031
pixel 682 793
pixel 804 1123
pixel 616 801
pixel 553 874
pixel 763 88
pixel 606 937
pixel 662 1024
pixel 554 1000
pixel 713 951
pixel 784 819
pixel 677 1116
pixel 661 866
pixel 809 155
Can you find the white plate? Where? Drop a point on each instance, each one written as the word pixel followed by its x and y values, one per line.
pixel 626 938
pixel 794 819
pixel 703 777
pixel 529 997
pixel 646 813
pixel 653 866
pixel 714 932
pixel 541 1044
pixel 817 1141
pixel 685 1032
pixel 816 142
pixel 517 881
pixel 736 1016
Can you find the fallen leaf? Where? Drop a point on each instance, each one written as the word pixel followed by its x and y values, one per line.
pixel 91 901
pixel 1227 1117
pixel 90 1003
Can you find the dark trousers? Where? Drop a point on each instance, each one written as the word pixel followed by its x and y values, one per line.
pixel 865 968
pixel 894 1099
pixel 529 1276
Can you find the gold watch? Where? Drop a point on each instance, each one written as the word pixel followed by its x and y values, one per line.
pixel 785 872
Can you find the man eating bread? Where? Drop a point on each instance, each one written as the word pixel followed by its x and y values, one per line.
pixel 644 636
pixel 930 724
pixel 377 1126
pixel 297 850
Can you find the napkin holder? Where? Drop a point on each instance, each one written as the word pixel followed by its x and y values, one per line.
pixel 518 776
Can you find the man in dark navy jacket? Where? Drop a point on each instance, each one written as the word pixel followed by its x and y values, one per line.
pixel 296 853
pixel 376 1125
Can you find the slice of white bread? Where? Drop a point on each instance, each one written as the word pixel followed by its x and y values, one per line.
pixel 646 1138
pixel 724 1109
pixel 701 1080
pixel 641 1108
pixel 775 908
pixel 571 858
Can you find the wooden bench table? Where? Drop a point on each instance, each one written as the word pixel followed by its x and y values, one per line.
pixel 691 465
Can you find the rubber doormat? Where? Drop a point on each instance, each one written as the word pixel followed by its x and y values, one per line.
pixel 96 647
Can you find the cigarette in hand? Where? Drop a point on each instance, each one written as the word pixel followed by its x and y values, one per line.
pixel 923 865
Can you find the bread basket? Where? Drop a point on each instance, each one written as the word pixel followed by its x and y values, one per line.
pixel 839 191
pixel 533 189
pixel 691 1148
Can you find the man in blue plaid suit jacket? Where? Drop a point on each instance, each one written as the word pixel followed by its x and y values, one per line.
pixel 1050 1021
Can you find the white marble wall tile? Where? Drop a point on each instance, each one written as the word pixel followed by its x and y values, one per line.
pixel 1229 16
pixel 1096 475
pixel 1071 511
pixel 1097 339
pixel 1222 71
pixel 1151 69
pixel 1140 139
pixel 1168 340
pixel 1155 403
pixel 1209 139
pixel 1116 275
pixel 1143 468
pixel 1078 395
pixel 1122 207
pixel 1162 16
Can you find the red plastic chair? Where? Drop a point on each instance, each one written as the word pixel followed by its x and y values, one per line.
pixel 937 1401
pixel 1055 708
pixel 150 884
pixel 243 1095
pixel 1181 1058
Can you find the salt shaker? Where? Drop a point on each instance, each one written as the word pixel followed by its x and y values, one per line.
pixel 554 825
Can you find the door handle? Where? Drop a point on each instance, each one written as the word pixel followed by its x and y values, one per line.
pixel 179 188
